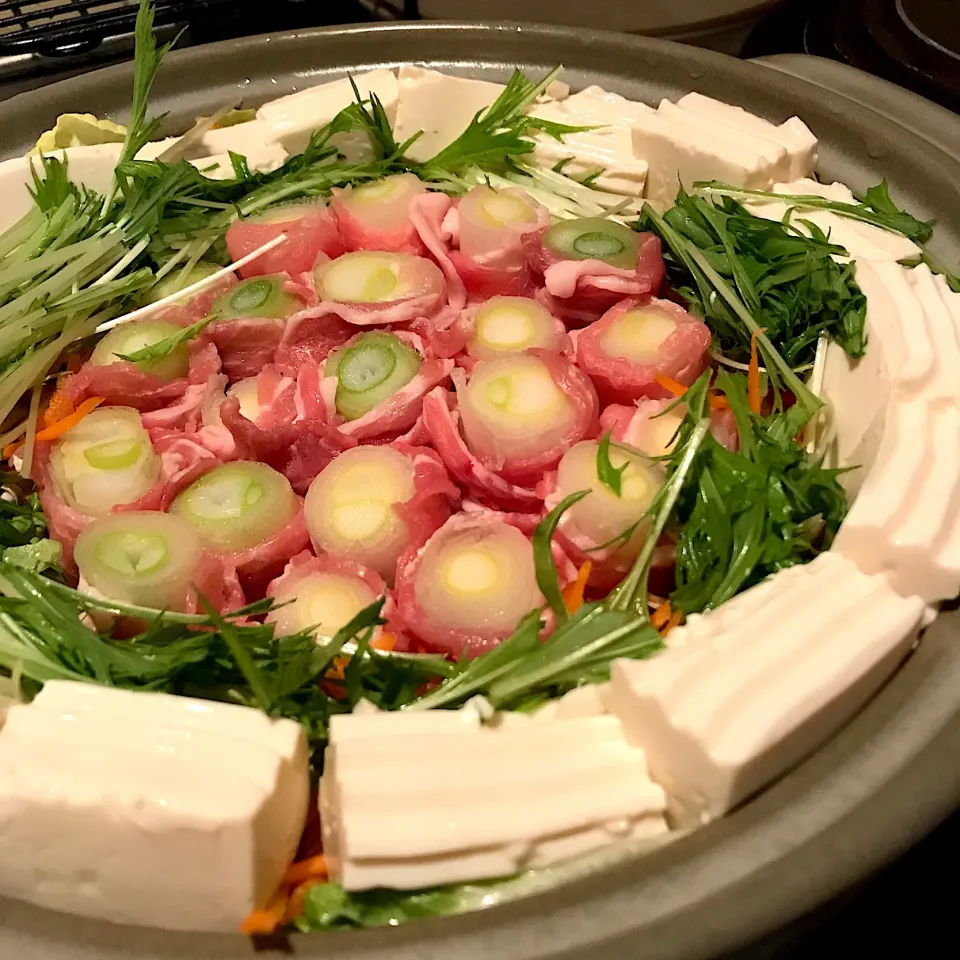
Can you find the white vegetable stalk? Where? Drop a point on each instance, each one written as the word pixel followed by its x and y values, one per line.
pixel 492 219
pixel 507 325
pixel 105 460
pixel 480 581
pixel 383 205
pixel 131 337
pixel 321 602
pixel 147 559
pixel 371 277
pixel 350 507
pixel 512 408
pixel 602 515
pixel 237 506
pixel 637 335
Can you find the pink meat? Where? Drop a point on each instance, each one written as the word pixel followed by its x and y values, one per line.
pixel 356 235
pixel 64 523
pixel 245 345
pixel 198 306
pixel 125 384
pixel 485 277
pixel 581 290
pixel 434 494
pixel 427 211
pixel 413 617
pixel 312 233
pixel 682 356
pixel 258 565
pixel 312 339
pixel 400 412
pixel 293 433
pixel 303 564
pixel 490 488
pixel 186 412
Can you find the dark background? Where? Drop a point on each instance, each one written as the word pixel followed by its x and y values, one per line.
pixel 908 909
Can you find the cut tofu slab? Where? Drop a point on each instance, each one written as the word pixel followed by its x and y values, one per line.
pixel 800 146
pixel 862 241
pixel 421 798
pixel 681 149
pixel 746 691
pixel 290 120
pixel 905 522
pixel 439 105
pixel 148 809
pixel 913 329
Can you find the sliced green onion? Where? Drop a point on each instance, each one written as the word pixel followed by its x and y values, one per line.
pixel 637 335
pixel 145 559
pixel 177 281
pixel 237 505
pixel 349 507
pixel 604 514
pixel 513 407
pixel 257 297
pixel 128 338
pixel 105 460
pixel 322 601
pixel 505 325
pixel 593 238
pixel 371 369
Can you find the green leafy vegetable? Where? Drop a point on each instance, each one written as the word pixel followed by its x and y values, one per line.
pixel 152 354
pixel 38 557
pixel 789 284
pixel 744 515
pixel 609 475
pixel 327 906
pixel 546 568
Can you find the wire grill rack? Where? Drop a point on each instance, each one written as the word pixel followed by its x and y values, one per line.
pixel 46 25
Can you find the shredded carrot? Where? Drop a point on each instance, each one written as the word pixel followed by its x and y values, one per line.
pixel 267 920
pixel 297 897
pixel 385 641
pixel 58 407
pixel 674 621
pixel 717 400
pixel 60 427
pixel 661 615
pixel 573 592
pixel 313 868
pixel 753 375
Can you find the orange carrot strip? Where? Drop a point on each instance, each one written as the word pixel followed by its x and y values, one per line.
pixel 717 401
pixel 58 407
pixel 385 641
pixel 753 375
pixel 265 921
pixel 668 383
pixel 674 621
pixel 573 592
pixel 313 868
pixel 59 428
pixel 297 897
pixel 661 615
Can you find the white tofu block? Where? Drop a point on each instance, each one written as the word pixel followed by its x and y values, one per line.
pixel 679 149
pixel 263 159
pixel 906 520
pixel 722 715
pixel 240 138
pixel 420 807
pixel 439 105
pixel 148 809
pixel 800 145
pixel 608 148
pixel 293 118
pixel 860 240
pixel 91 167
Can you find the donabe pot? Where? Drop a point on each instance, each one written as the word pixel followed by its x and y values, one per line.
pixel 872 791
